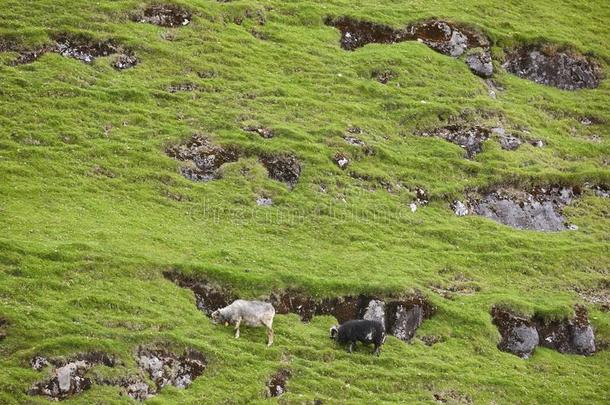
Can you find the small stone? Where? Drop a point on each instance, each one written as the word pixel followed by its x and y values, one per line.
pixel 125 61
pixel 459 208
pixel 263 201
pixel 341 160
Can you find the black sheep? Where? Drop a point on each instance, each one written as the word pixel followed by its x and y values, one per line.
pixel 361 330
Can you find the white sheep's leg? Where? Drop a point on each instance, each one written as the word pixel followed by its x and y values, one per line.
pixel 269 326
pixel 237 328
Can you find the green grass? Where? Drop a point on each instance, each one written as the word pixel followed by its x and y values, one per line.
pixel 89 218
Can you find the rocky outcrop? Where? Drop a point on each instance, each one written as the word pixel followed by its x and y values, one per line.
pixel 203 160
pixel 573 336
pixel 521 335
pixel 166 368
pixel 165 15
pixel 443 36
pixel 68 376
pixel 284 167
pixel 276 385
pixel 208 296
pixel 203 157
pixel 540 209
pixel 81 47
pixel 470 138
pixel 545 64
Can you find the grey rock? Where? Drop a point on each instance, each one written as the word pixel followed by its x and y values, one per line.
pixel 509 142
pixel 567 70
pixel 264 202
pixel 480 64
pixel 375 311
pixel 540 211
pixel 583 340
pixel 407 320
pixel 521 340
pixel 459 208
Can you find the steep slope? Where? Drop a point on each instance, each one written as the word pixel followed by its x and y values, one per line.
pixel 238 144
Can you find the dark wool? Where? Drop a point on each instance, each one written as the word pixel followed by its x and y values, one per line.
pixel 361 330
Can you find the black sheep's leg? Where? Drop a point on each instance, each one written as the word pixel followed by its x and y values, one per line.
pixel 377 350
pixel 350 348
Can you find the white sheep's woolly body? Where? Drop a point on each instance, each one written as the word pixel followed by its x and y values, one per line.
pixel 250 313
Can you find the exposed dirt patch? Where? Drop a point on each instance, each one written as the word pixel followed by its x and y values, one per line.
pixel 165 15
pixel 182 87
pixel 521 335
pixel 355 33
pixel 451 291
pixel 83 48
pixel 30 56
pixel 452 397
pixel 352 140
pixel 262 131
pixel 276 385
pixel 431 340
pixel 135 387
pixel 401 316
pixel 568 335
pixel 470 138
pixel 166 368
pixel 203 158
pixel 3 326
pixel 540 209
pixel 284 167
pixel 562 68
pixel 599 190
pixel 445 37
pixel 383 76
pixel 506 140
pixel 125 61
pixel 208 296
pixel 69 376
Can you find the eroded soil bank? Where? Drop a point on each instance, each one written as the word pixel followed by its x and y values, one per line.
pixel 81 47
pixel 401 316
pixel 521 335
pixel 164 15
pixel 203 159
pixel 445 37
pixel 70 376
pixel 566 69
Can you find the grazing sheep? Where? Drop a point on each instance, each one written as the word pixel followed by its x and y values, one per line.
pixel 363 330
pixel 251 313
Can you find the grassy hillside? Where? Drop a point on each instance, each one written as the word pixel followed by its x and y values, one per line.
pixel 93 211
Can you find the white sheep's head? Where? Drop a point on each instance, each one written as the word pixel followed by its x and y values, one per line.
pixel 216 316
pixel 334 332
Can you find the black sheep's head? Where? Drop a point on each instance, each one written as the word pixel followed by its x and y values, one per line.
pixel 334 332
